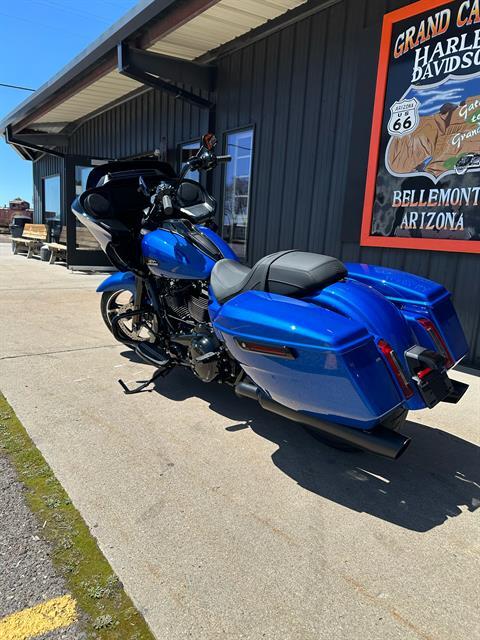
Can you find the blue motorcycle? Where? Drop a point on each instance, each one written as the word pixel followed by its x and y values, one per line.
pixel 344 349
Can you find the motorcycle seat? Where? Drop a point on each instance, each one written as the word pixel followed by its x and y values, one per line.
pixel 288 273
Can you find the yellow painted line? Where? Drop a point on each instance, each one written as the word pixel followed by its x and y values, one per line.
pixel 44 617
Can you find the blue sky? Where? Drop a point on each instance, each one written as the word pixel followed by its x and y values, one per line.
pixel 38 38
pixel 454 90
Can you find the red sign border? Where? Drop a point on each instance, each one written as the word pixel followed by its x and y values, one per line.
pixel 367 240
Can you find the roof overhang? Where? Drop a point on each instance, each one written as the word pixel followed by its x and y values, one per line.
pixel 160 43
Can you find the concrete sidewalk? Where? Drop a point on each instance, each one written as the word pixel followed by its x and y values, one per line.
pixel 223 521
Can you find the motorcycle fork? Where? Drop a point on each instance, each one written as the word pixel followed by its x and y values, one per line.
pixel 158 306
pixel 137 301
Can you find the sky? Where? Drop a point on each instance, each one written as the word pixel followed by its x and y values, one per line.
pixel 38 38
pixel 452 90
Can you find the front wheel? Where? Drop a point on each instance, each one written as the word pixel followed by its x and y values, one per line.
pixel 120 301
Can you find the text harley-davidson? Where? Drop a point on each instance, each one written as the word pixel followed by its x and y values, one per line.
pixel 344 349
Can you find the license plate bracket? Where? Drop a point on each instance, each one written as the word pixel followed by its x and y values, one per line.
pixel 435 387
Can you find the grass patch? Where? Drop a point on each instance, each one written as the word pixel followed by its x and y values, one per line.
pixel 108 612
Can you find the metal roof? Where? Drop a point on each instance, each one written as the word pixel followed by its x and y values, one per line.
pixel 92 80
pixel 99 93
pixel 219 24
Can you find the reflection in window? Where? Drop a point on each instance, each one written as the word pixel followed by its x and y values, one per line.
pixel 84 240
pixel 81 175
pixel 51 198
pixel 237 190
pixel 187 150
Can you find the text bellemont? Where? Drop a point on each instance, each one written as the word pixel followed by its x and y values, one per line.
pixel 456 197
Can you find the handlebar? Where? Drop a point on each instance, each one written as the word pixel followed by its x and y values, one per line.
pixel 167 205
pixel 204 160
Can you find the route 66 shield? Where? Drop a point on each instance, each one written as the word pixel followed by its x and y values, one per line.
pixel 404 117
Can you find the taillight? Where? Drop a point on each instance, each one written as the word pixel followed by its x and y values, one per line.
pixel 437 339
pixel 396 369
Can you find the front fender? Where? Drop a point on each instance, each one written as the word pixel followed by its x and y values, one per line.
pixel 120 280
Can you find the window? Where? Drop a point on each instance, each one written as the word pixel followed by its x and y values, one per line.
pixel 187 150
pixel 236 191
pixel 81 175
pixel 51 198
pixel 84 240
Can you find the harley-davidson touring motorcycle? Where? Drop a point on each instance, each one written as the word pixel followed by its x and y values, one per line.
pixel 344 349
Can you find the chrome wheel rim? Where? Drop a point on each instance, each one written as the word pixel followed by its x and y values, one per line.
pixel 121 302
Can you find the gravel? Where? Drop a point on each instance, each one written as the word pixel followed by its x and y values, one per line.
pixel 27 575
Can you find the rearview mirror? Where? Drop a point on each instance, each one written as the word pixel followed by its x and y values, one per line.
pixel 209 141
pixel 142 186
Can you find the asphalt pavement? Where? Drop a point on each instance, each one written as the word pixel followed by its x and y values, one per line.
pixel 223 521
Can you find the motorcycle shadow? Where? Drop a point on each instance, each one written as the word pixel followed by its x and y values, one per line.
pixel 437 477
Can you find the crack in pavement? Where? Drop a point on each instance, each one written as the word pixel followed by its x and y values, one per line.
pixel 52 353
pixel 21 289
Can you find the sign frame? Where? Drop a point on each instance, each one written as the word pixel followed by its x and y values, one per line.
pixel 366 239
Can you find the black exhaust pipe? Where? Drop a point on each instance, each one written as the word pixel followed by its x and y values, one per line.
pixel 379 440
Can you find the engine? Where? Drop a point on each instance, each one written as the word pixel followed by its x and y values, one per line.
pixel 205 356
pixel 188 302
pixel 187 308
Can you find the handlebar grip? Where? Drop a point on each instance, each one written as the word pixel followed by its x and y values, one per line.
pixel 224 158
pixel 167 205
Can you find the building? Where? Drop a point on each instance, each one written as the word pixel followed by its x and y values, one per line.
pixel 17 206
pixel 326 156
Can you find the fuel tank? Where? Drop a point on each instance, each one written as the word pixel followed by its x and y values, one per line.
pixel 171 255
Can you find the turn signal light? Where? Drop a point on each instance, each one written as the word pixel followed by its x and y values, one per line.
pixel 396 369
pixel 437 339
pixel 267 349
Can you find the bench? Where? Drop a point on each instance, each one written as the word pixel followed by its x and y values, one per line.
pixel 85 240
pixel 58 249
pixel 33 237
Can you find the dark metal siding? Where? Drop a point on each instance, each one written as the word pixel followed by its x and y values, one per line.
pixel 309 90
pixel 139 127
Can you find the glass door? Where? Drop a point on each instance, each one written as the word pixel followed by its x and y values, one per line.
pixel 83 251
pixel 236 189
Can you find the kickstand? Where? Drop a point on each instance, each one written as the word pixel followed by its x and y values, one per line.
pixel 158 373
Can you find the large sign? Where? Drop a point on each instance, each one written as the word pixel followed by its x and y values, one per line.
pixel 423 181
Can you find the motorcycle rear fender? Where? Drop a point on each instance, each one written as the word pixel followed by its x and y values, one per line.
pixel 120 280
pixel 336 373
pixel 416 297
pixel 382 319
